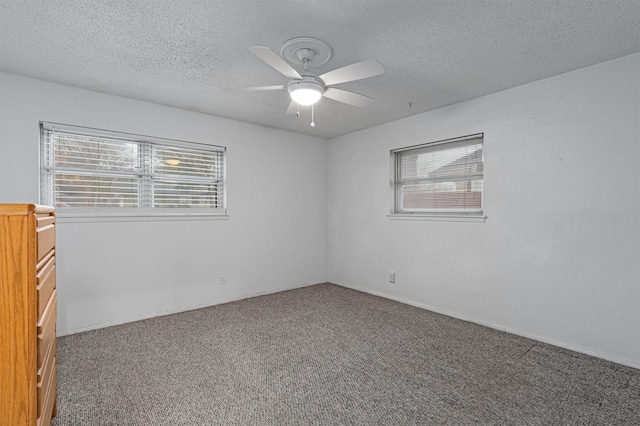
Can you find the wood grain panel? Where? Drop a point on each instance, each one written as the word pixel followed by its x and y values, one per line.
pixel 17 321
pixel 20 290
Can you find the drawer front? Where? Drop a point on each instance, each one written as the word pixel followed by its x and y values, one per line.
pixel 46 237
pixel 46 329
pixel 46 393
pixel 45 283
pixel 42 220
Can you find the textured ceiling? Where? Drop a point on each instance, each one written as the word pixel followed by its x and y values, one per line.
pixel 189 53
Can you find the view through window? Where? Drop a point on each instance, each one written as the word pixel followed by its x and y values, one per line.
pixel 86 168
pixel 444 177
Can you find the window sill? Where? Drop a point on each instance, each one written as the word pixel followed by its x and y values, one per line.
pixel 438 218
pixel 91 217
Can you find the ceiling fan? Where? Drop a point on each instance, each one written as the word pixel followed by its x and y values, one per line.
pixel 307 87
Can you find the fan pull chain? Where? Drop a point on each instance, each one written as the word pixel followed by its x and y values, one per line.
pixel 313 124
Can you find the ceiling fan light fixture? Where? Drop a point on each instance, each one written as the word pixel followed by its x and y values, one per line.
pixel 305 92
pixel 307 87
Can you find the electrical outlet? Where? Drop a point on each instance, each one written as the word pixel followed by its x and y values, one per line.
pixel 392 277
pixel 223 280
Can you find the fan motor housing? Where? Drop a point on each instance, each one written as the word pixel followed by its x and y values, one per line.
pixel 309 85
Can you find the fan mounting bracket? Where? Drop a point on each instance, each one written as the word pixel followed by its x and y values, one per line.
pixel 306 49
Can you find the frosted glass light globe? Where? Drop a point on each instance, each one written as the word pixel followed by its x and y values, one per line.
pixel 305 92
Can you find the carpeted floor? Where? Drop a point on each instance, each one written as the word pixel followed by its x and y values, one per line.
pixel 326 355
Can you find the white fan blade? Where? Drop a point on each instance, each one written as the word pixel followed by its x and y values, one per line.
pixel 259 88
pixel 347 97
pixel 274 61
pixel 293 108
pixel 352 72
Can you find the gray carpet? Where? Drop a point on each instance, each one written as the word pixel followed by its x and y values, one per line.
pixel 326 355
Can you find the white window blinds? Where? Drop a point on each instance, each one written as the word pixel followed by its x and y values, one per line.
pixel 443 177
pixel 84 168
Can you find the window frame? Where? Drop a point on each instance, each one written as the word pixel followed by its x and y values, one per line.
pixel 396 212
pixel 99 214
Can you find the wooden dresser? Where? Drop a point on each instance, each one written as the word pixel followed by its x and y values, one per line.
pixel 27 315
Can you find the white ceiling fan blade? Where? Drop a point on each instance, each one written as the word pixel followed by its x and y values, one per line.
pixel 349 98
pixel 293 108
pixel 274 61
pixel 352 72
pixel 259 88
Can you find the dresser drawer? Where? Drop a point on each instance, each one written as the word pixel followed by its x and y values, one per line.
pixel 46 238
pixel 45 219
pixel 45 282
pixel 46 329
pixel 49 401
pixel 46 389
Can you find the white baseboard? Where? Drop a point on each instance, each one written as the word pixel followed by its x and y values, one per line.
pixel 463 317
pixel 181 309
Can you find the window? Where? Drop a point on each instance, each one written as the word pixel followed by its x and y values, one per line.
pixel 439 178
pixel 99 172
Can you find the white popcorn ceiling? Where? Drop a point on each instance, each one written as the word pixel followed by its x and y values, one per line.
pixel 188 53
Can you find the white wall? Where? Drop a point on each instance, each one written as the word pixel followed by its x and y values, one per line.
pixel 275 237
pixel 558 257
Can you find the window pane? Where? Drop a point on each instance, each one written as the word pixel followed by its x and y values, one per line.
pixel 90 153
pixel 441 161
pixel 102 169
pixel 453 196
pixel 187 162
pixel 169 193
pixel 442 177
pixel 95 191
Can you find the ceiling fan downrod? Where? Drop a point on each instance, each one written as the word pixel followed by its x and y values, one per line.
pixel 306 55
